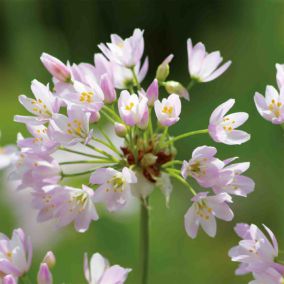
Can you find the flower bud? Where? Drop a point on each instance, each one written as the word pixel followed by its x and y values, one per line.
pixel 9 279
pixel 152 93
pixel 163 69
pixel 49 259
pixel 148 160
pixel 108 89
pixel 176 88
pixel 56 68
pixel 120 129
pixel 44 276
pixel 95 116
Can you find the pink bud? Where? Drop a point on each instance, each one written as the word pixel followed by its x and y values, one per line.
pixel 152 92
pixel 120 129
pixel 95 116
pixel 44 276
pixel 177 88
pixel 55 67
pixel 163 70
pixel 49 259
pixel 108 89
pixel 9 279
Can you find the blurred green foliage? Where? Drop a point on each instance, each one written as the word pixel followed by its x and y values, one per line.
pixel 251 33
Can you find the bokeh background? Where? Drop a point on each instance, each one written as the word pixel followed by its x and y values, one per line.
pixel 251 33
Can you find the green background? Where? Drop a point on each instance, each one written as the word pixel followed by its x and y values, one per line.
pixel 250 33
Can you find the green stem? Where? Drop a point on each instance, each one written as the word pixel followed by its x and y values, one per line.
pixel 187 134
pixel 112 113
pixel 136 81
pixel 80 153
pixel 144 240
pixel 172 163
pixel 191 84
pixel 101 161
pixel 25 280
pixel 182 180
pixel 109 141
pixel 108 117
pixel 101 152
pixel 108 145
pixel 77 174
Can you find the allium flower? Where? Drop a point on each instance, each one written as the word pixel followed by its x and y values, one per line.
pixel 204 67
pixel 126 52
pixel 42 107
pixel 100 272
pixel 255 251
pixel 55 67
pixel 168 111
pixel 203 212
pixel 72 129
pixel 114 189
pixel 233 182
pixel 272 106
pixel 66 204
pixel 133 110
pixel 222 127
pixel 204 167
pixel 15 254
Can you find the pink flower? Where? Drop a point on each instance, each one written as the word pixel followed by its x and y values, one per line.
pixel 9 279
pixel 152 92
pixel 222 127
pixel 15 254
pixel 269 276
pixel 271 107
pixel 72 129
pixel 126 52
pixel 133 110
pixel 232 181
pixel 255 251
pixel 66 205
pixel 204 67
pixel 56 68
pixel 168 111
pixel 43 106
pixel 114 189
pixel 108 89
pixel 204 167
pixel 44 275
pixel 100 272
pixel 7 155
pixel 280 75
pixel 203 212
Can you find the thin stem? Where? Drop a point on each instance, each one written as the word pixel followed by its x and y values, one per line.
pixel 135 79
pixel 191 84
pixel 109 141
pixel 144 240
pixel 101 152
pixel 101 161
pixel 25 279
pixel 187 134
pixel 80 153
pixel 77 174
pixel 108 117
pixel 112 112
pixel 182 180
pixel 172 163
pixel 108 145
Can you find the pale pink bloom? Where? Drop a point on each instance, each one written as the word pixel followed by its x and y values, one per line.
pixel 232 181
pixel 114 189
pixel 203 66
pixel 269 276
pixel 271 107
pixel 9 279
pixel 203 212
pixel 133 110
pixel 100 272
pixel 39 143
pixel 280 75
pixel 42 107
pixel 163 69
pixel 168 111
pixel 255 251
pixel 71 129
pixel 152 92
pixel 222 127
pixel 44 275
pixel 15 253
pixel 204 167
pixel 7 155
pixel 108 89
pixel 126 52
pixel 55 67
pixel 66 205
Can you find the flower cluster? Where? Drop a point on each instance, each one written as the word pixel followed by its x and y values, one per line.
pixel 257 254
pixel 67 138
pixel 16 258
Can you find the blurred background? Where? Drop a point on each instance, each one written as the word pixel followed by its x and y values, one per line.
pixel 250 33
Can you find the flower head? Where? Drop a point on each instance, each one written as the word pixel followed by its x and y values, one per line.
pixel 203 212
pixel 222 127
pixel 126 52
pixel 271 107
pixel 168 110
pixel 203 66
pixel 100 272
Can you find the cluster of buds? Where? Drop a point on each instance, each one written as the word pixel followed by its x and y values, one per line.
pixel 16 259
